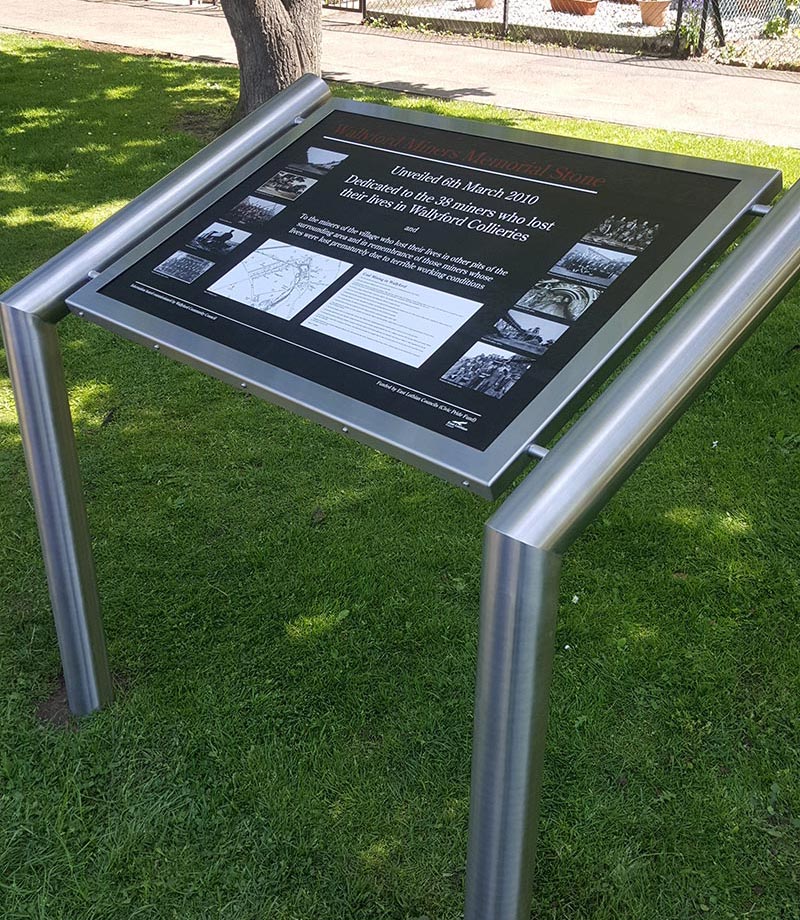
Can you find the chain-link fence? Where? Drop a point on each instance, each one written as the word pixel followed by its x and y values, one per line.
pixel 758 33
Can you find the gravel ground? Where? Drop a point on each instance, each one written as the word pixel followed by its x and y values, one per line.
pixel 745 44
pixel 619 18
pixel 752 50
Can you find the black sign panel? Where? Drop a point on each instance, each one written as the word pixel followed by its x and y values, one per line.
pixel 440 277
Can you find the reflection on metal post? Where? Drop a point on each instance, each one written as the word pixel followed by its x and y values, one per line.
pixel 37 374
pixel 519 601
pixel 527 536
pixel 29 312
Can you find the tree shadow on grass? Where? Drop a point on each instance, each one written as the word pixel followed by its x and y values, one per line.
pixel 419 89
pixel 82 133
pixel 432 99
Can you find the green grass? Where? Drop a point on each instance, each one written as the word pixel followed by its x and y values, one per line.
pixel 291 736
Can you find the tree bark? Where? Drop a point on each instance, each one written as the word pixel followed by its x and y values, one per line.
pixel 277 41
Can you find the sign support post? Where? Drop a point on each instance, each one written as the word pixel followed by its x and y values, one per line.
pixel 528 535
pixel 29 312
pixel 37 375
pixel 235 329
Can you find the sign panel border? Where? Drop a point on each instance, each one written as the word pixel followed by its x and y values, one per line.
pixel 486 472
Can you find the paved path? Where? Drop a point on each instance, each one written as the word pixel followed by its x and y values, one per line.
pixel 623 89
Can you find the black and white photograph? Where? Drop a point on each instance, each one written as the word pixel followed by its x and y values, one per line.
pixel 254 213
pixel 286 184
pixel 319 162
pixel 219 239
pixel 632 234
pixel 592 264
pixel 525 332
pixel 488 370
pixel 567 300
pixel 183 266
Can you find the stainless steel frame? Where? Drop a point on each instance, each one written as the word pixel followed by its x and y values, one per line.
pixel 485 472
pixel 29 312
pixel 527 536
pixel 525 539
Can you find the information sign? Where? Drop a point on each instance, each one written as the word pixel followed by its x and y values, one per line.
pixel 442 290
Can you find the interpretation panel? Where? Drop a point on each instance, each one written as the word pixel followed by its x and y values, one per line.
pixel 446 289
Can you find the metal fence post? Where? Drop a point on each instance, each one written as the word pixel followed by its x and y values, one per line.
pixel 527 536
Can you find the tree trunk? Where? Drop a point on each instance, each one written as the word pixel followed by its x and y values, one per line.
pixel 277 41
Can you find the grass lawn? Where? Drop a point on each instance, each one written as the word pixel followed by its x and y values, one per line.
pixel 292 618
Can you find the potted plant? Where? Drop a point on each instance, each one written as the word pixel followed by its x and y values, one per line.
pixel 654 12
pixel 574 7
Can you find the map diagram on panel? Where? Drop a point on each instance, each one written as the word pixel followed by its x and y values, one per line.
pixel 279 279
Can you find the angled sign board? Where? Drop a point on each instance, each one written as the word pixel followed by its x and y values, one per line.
pixel 444 291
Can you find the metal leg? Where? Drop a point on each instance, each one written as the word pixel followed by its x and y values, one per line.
pixel 37 376
pixel 29 312
pixel 544 515
pixel 519 603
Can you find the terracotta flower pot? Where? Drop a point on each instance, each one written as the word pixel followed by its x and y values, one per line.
pixel 575 7
pixel 654 12
pixel 484 4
